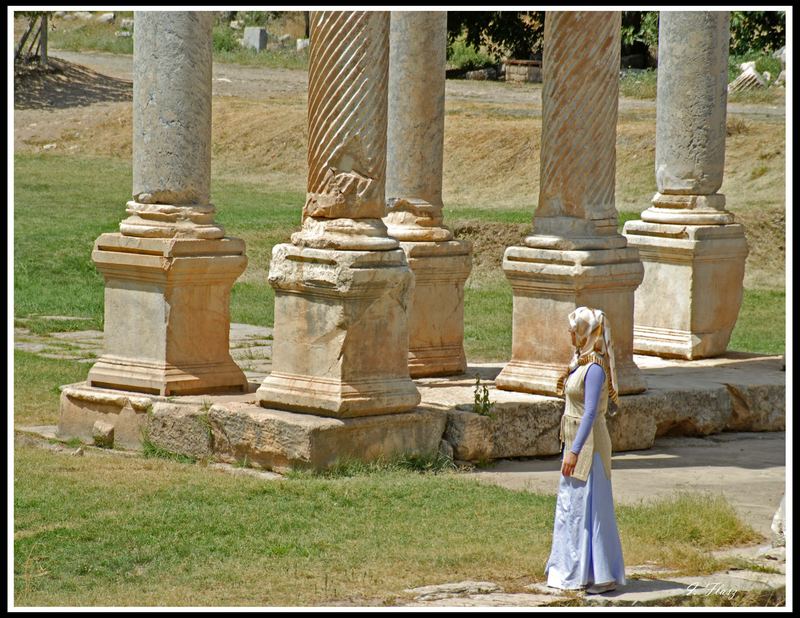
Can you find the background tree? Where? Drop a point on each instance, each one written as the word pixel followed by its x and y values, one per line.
pixel 519 34
pixel 512 34
pixel 33 42
pixel 757 31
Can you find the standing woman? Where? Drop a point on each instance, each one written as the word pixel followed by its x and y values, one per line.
pixel 586 551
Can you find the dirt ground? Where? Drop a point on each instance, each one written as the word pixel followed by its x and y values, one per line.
pixel 492 139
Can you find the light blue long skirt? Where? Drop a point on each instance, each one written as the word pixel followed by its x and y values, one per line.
pixel 586 548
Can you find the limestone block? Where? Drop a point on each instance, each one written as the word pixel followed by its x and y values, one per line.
pixel 280 440
pixel 692 100
pixel 341 333
pixel 446 449
pixel 436 317
pixel 445 591
pixel 548 285
pixel 666 412
pixel 83 408
pixel 757 407
pixel 512 431
pixel 181 428
pixel 103 434
pixel 106 18
pixel 167 314
pixel 523 71
pixel 699 270
pixel 489 73
pixel 255 38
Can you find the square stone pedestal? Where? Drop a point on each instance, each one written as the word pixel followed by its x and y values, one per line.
pixel 548 285
pixel 340 341
pixel 436 319
pixel 167 315
pixel 689 300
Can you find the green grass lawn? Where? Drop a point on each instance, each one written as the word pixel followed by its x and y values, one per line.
pixel 101 530
pixel 62 204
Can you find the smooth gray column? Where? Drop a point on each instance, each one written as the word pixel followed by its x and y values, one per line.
pixel 691 101
pixel 417 59
pixel 172 126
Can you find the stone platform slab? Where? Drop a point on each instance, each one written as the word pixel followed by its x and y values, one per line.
pixel 234 428
pixel 742 393
pixel 737 392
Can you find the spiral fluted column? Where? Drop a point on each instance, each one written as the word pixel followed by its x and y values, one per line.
pixel 575 255
pixel 579 127
pixel 347 110
pixel 343 286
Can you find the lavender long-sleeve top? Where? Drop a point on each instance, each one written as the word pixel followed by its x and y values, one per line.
pixel 592 387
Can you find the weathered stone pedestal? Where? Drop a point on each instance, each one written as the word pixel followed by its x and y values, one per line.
pixel 693 252
pixel 436 319
pixel 697 272
pixel 548 284
pixel 166 314
pixel 341 335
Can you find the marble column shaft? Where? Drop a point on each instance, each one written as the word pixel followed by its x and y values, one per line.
pixel 575 255
pixel 415 151
pixel 169 271
pixel 693 252
pixel 172 127
pixel 347 106
pixel 343 286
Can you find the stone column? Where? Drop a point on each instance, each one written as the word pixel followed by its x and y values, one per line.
pixel 343 285
pixel 575 256
pixel 693 252
pixel 169 270
pixel 441 264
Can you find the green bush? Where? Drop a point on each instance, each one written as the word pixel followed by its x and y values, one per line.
pixel 462 55
pixel 225 39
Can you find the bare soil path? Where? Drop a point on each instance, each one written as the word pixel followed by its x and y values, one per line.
pixel 257 83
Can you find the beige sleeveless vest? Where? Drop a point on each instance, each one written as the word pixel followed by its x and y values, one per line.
pixel 599 439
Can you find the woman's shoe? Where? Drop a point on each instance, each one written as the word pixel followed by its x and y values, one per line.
pixel 601 588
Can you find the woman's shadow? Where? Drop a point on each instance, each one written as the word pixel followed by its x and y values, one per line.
pixel 62 84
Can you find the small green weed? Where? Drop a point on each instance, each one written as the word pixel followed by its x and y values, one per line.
pixel 483 405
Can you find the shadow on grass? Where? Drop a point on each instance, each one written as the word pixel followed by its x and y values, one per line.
pixel 62 84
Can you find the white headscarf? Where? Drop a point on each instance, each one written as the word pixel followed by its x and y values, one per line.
pixel 594 344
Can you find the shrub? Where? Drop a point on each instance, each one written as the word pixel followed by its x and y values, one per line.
pixel 462 55
pixel 225 39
